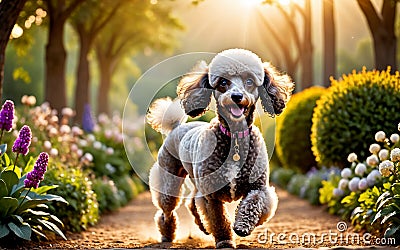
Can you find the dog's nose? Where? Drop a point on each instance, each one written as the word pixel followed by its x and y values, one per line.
pixel 237 97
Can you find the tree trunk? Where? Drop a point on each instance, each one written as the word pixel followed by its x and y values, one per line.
pixel 104 89
pixel 307 53
pixel 382 28
pixel 329 42
pixel 9 12
pixel 55 64
pixel 385 49
pixel 82 90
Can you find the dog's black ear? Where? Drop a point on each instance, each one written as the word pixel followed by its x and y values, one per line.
pixel 195 91
pixel 275 91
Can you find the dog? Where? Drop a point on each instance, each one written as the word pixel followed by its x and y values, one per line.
pixel 225 159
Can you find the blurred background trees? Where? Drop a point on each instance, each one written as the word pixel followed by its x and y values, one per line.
pixel 77 52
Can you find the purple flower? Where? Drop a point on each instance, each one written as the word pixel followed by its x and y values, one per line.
pixel 21 144
pixel 34 177
pixel 7 116
pixel 87 119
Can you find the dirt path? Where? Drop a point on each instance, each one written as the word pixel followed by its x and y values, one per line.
pixel 133 227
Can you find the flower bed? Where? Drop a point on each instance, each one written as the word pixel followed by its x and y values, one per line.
pixel 81 174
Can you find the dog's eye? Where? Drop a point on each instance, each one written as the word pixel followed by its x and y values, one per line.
pixel 249 82
pixel 223 82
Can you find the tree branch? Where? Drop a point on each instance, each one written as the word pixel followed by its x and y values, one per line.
pixel 370 14
pixel 292 27
pixel 389 14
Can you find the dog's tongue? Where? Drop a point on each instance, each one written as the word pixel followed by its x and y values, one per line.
pixel 237 111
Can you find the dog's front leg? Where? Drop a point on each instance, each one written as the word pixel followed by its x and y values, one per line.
pixel 256 208
pixel 218 224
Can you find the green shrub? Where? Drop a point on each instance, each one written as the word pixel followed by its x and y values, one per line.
pixel 127 188
pixel 282 176
pixel 293 130
pixel 76 187
pixel 354 108
pixel 296 183
pixel 108 197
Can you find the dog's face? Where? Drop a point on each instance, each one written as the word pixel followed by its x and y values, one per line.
pixel 237 78
pixel 236 95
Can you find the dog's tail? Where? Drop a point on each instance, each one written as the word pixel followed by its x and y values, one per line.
pixel 165 114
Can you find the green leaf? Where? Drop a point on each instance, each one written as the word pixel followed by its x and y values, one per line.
pixel 39 233
pixel 16 170
pixel 50 197
pixel 391 230
pixel 29 204
pixel 17 218
pixel 44 189
pixel 387 185
pixel 388 217
pixel 16 193
pixel 6 160
pixel 3 189
pixel 7 206
pixel 23 231
pixel 3 149
pixel 4 231
pixel 29 166
pixel 52 227
pixel 10 178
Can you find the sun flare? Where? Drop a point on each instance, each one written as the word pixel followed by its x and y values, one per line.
pixel 251 3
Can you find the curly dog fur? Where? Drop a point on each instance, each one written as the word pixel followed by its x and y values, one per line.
pixel 225 159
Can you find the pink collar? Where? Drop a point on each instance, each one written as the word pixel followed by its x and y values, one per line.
pixel 240 134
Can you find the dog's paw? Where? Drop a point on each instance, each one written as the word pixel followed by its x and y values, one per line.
pixel 225 244
pixel 241 231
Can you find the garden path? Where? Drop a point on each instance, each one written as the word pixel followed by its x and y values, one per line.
pixel 133 227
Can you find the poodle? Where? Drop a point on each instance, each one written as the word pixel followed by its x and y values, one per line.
pixel 225 159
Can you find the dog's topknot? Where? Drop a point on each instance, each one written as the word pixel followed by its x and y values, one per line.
pixel 235 62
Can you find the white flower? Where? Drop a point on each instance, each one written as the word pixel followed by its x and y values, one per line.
pixel 74 147
pixel 363 184
pixel 83 143
pixel 353 184
pixel 110 151
pixel 108 134
pixel 67 112
pixel 88 157
pixel 337 192
pixel 53 132
pixel 65 129
pixel 79 152
pixel 386 168
pixel 346 173
pixel 352 157
pixel 103 118
pixel 47 145
pixel 374 148
pixel 394 138
pixel 372 160
pixel 398 127
pixel 395 154
pixel 28 100
pixel 373 177
pixel 383 154
pixel 343 184
pixel 380 136
pixel 97 145
pixel 76 130
pixel 91 138
pixel 360 169
pixel 110 168
pixel 53 152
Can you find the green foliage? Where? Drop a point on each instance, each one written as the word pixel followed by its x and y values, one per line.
pixel 24 212
pixel 293 130
pixel 351 111
pixel 296 183
pixel 127 188
pixel 75 186
pixel 282 176
pixel 107 195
